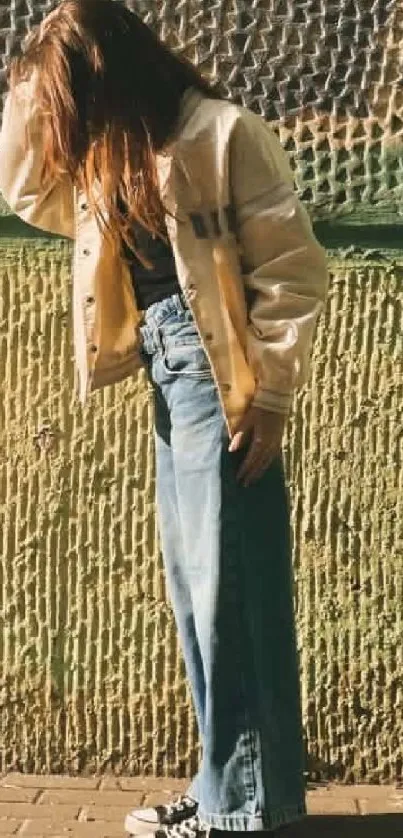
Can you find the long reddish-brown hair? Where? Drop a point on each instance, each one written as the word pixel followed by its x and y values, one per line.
pixel 110 93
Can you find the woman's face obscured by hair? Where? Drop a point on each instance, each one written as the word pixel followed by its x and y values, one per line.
pixel 110 93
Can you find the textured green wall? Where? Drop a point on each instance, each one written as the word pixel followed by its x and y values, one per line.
pixel 90 674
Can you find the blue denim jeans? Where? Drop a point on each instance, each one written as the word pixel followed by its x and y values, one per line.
pixel 226 552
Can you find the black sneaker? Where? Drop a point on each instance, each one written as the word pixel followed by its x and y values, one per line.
pixel 150 821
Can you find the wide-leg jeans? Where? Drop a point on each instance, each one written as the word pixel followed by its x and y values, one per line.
pixel 227 558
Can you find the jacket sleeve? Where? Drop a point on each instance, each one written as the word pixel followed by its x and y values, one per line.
pixel 49 206
pixel 284 267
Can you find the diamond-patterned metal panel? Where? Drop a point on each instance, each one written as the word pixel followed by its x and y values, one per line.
pixel 327 73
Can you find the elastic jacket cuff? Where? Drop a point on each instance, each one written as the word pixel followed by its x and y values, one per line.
pixel 272 400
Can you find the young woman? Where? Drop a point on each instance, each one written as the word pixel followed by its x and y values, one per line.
pixel 193 258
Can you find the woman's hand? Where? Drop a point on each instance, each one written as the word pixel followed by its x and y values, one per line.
pixel 264 429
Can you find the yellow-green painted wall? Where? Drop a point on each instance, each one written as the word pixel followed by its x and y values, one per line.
pixel 90 673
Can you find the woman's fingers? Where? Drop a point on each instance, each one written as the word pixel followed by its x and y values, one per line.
pixel 255 460
pixel 259 472
pixel 263 429
pixel 241 434
pixel 237 441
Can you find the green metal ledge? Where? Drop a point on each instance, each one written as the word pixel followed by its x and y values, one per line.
pixel 355 233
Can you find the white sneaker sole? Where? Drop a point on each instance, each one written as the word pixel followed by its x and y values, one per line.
pixel 137 822
pixel 136 826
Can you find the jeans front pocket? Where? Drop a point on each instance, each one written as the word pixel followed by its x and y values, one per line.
pixel 185 356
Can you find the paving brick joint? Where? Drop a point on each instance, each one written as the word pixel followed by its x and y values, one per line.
pixel 56 806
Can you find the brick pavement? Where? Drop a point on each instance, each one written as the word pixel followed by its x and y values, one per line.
pixel 85 807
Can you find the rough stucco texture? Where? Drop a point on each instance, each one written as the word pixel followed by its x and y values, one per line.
pixel 90 674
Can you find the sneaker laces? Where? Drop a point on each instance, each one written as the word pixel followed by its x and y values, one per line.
pixel 186 829
pixel 180 805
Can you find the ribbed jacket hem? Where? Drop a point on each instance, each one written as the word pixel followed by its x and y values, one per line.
pixel 111 375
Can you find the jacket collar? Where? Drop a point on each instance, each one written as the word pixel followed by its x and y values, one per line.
pixel 190 100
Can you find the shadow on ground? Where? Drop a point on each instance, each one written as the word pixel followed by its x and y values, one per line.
pixel 345 826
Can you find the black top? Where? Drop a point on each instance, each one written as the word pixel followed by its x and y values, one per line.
pixel 152 284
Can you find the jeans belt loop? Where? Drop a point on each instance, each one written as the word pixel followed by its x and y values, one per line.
pixel 159 340
pixel 183 302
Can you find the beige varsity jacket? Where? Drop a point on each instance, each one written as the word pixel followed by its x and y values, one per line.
pixel 249 265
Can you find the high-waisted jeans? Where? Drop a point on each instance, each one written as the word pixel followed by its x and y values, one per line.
pixel 227 560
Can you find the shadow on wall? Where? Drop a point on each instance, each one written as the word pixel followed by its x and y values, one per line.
pixel 333 826
pixel 12 227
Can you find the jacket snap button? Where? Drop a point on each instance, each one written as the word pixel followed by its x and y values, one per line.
pixel 84 207
pixel 90 300
pixel 86 252
pixel 208 336
pixel 94 348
